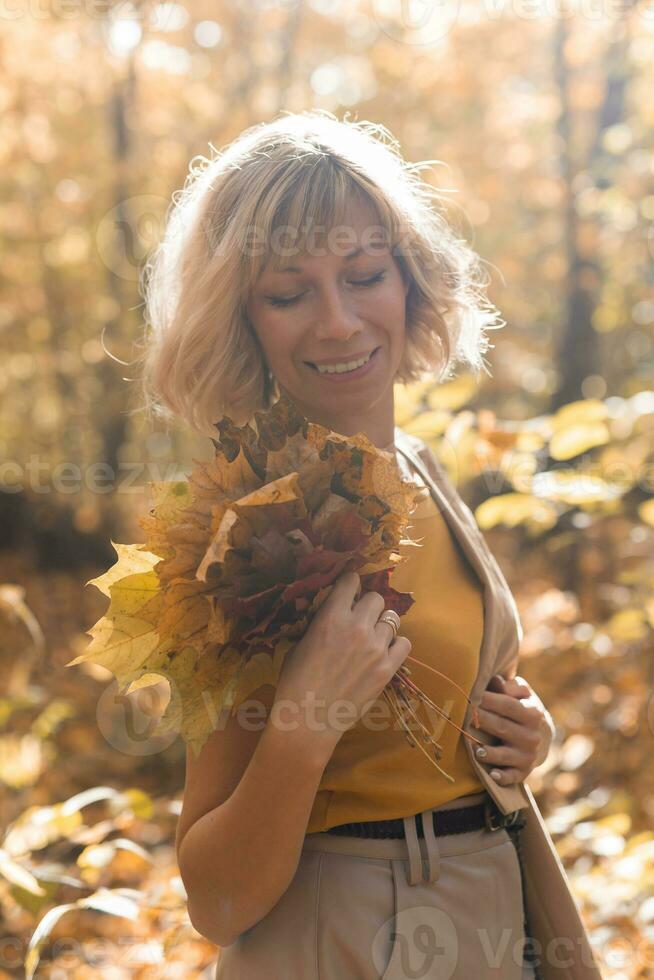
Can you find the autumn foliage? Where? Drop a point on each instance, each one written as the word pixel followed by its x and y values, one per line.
pixel 240 557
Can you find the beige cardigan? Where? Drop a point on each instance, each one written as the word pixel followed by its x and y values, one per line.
pixel 562 946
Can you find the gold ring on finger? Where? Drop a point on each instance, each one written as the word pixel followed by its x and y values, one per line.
pixel 392 618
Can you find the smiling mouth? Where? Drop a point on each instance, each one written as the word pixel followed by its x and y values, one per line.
pixel 315 368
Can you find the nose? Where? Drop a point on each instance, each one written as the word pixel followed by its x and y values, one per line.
pixel 337 319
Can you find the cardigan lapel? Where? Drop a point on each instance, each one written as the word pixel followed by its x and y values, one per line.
pixel 511 797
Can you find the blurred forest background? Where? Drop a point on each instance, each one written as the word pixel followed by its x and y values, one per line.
pixel 543 117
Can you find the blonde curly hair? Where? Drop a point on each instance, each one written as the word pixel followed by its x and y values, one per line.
pixel 201 358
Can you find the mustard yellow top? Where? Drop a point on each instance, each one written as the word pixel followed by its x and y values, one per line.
pixel 374 774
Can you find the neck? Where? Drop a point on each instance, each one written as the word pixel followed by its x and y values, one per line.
pixel 377 429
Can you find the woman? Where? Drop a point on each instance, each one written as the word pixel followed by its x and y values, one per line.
pixel 309 258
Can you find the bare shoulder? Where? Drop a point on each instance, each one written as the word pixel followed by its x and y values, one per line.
pixel 212 777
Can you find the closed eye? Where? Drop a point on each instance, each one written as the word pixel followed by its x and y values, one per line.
pixel 289 300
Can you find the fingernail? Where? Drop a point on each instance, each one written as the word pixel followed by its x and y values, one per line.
pixel 481 751
pixel 496 774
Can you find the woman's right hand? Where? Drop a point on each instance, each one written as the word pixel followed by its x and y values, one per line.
pixel 345 656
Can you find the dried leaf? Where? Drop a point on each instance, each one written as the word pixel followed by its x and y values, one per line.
pixel 238 560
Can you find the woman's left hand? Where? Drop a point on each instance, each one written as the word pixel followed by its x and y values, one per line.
pixel 513 712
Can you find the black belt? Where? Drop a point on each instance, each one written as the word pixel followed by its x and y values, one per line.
pixel 454 821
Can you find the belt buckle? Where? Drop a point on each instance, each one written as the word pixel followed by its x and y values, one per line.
pixel 496 820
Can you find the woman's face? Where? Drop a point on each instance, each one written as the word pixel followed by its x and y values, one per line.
pixel 344 300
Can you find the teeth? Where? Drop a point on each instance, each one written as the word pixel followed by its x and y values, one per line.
pixel 342 368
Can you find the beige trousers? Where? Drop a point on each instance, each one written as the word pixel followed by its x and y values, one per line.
pixel 447 907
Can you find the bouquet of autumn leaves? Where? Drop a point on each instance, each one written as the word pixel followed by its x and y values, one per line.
pixel 240 557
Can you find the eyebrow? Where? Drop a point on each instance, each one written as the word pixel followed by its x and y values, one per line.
pixel 294 268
